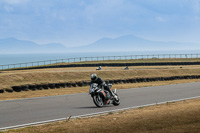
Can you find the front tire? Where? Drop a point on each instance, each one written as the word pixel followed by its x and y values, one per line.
pixel 98 100
pixel 116 102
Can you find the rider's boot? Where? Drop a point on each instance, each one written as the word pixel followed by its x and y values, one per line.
pixel 113 94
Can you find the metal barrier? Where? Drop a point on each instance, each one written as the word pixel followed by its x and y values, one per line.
pixel 100 58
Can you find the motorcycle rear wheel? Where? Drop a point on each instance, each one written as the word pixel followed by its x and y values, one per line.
pixel 98 100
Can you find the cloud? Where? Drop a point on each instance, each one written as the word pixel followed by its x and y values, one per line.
pixel 76 21
pixel 14 2
pixel 196 6
pixel 8 8
pixel 160 19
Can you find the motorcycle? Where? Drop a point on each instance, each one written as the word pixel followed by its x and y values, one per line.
pixel 103 97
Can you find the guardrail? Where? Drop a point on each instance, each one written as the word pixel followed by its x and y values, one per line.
pixel 100 58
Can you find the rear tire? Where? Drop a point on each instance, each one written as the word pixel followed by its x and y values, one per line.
pixel 98 100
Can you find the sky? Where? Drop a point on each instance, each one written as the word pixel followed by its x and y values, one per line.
pixel 81 22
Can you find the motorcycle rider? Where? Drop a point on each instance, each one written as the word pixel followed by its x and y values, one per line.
pixel 101 83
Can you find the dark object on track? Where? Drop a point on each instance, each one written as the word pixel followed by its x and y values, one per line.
pixel 32 87
pixel 68 84
pixel 80 84
pixel 39 87
pixel 1 90
pixel 73 84
pixel 16 88
pixel 24 87
pixel 9 90
pixel 57 85
pixel 52 86
pixel 45 86
pixel 63 85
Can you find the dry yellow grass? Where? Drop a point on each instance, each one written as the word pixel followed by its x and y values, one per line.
pixel 22 77
pixel 37 76
pixel 179 117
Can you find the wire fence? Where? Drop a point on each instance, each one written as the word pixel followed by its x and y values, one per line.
pixel 99 58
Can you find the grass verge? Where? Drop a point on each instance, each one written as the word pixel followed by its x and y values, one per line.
pixel 56 75
pixel 178 117
pixel 73 90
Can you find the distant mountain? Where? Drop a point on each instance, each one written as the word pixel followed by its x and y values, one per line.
pixel 13 45
pixel 122 43
pixel 133 43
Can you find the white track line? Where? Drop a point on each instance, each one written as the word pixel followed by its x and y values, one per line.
pixel 97 113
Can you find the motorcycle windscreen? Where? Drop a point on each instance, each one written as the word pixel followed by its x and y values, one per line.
pixel 92 88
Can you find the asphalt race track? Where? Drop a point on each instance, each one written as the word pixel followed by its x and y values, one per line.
pixel 16 113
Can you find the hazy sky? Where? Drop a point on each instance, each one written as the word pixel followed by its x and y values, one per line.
pixel 80 22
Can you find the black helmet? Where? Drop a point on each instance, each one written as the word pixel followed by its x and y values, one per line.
pixel 94 76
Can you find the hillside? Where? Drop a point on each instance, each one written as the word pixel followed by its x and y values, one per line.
pixel 122 43
pixel 133 43
pixel 12 45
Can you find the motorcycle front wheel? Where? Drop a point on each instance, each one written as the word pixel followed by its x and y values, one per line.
pixel 98 100
pixel 116 102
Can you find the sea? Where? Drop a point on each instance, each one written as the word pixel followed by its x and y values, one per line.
pixel 6 59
